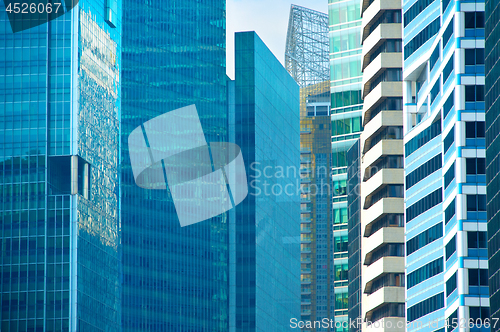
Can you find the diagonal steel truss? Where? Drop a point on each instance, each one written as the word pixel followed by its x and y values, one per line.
pixel 307 50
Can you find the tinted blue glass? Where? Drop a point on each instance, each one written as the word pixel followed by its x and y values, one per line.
pixel 174 279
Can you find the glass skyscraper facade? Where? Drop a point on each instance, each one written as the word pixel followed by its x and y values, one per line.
pixel 267 224
pixel 355 286
pixel 173 278
pixel 445 198
pixel 60 123
pixel 492 69
pixel 307 60
pixel 346 108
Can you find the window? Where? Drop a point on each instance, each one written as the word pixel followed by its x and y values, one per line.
pixel 425 307
pixel 424 204
pixel 425 272
pixel 388 250
pixel 388 46
pixel 476 240
pixel 416 9
pixel 474 56
pixel 389 220
pixel 389 75
pixel 449 139
pixel 434 57
pixel 476 203
pixel 423 171
pixel 391 132
pixel 478 277
pixel 449 175
pixel 449 212
pixel 451 99
pixel 475 166
pixel 475 129
pixel 341 243
pixel 480 313
pixel 446 73
pixel 474 93
pixel 389 16
pixel 451 247
pixel 389 104
pixel 447 33
pixel 422 138
pixel 421 240
pixel 420 39
pixel 435 91
pixel 392 190
pixel 451 284
pixel 384 163
pixel 389 310
pixel 452 321
pixel 474 20
pixel 390 279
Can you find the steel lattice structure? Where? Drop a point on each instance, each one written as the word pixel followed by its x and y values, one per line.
pixel 307 51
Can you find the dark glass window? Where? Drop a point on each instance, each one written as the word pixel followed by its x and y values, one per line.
pixel 416 9
pixel 475 129
pixel 422 37
pixel 474 93
pixel 449 212
pixel 476 239
pixel 424 204
pixel 425 272
pixel 423 171
pixel 479 313
pixel 478 277
pixel 434 57
pixel 425 307
pixel 424 238
pixel 476 203
pixel 451 284
pixel 474 20
pixel 451 247
pixel 449 175
pixel 447 33
pixel 475 166
pixel 422 138
pixel 474 56
pixel 446 73
pixel 449 139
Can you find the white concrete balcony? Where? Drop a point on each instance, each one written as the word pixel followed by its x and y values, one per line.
pixel 379 64
pixel 381 237
pixel 376 38
pixel 382 148
pixel 383 119
pixel 380 267
pixel 371 12
pixel 381 178
pixel 387 294
pixel 382 91
pixel 379 209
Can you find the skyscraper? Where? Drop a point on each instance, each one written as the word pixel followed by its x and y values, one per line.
pixel 267 223
pixel 307 60
pixel 444 113
pixel 60 109
pixel 382 187
pixel 346 108
pixel 173 56
pixel 492 11
pixel 355 286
